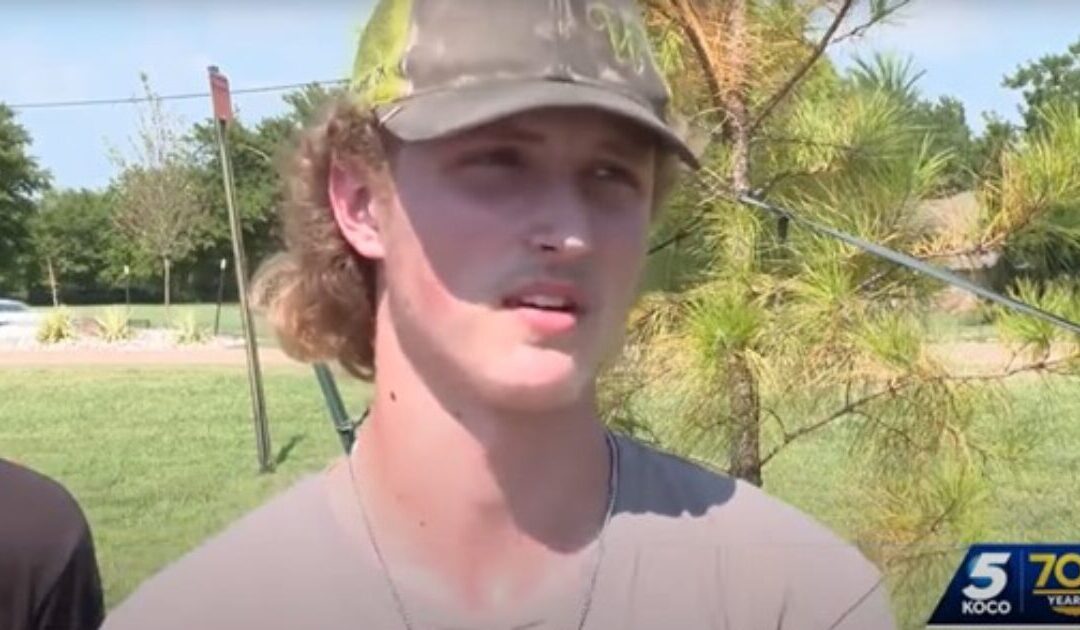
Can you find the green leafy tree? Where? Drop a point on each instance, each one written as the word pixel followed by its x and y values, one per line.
pixel 1029 175
pixel 256 186
pixel 307 102
pixel 21 180
pixel 998 136
pixel 943 121
pixel 157 197
pixel 74 240
pixel 1033 208
pixel 1050 79
pixel 255 154
pixel 946 126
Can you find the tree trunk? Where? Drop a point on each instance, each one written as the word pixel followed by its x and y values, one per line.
pixel 52 282
pixel 730 89
pixel 736 97
pixel 745 415
pixel 741 381
pixel 167 287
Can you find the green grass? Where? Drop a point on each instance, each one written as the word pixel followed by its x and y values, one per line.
pixel 161 458
pixel 1032 500
pixel 942 326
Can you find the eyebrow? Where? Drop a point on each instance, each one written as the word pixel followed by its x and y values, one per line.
pixel 627 142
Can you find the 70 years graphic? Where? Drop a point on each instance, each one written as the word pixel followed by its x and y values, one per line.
pixel 1013 585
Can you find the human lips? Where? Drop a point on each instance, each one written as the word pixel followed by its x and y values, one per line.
pixel 547 307
pixel 547 295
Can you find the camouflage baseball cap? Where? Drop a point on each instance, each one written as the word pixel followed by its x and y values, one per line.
pixel 431 68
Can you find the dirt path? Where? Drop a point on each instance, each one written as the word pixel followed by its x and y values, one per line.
pixel 984 357
pixel 171 357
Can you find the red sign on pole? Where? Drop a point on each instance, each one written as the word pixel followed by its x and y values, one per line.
pixel 219 90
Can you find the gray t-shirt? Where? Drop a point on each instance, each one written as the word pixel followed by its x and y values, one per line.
pixel 685 548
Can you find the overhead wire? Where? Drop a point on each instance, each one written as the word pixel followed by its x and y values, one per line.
pixel 167 97
pixel 912 263
pixel 720 189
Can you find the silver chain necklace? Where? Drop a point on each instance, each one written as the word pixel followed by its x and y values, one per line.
pixel 613 488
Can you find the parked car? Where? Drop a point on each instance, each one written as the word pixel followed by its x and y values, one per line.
pixel 16 313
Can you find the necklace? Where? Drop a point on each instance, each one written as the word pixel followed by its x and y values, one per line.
pixel 613 488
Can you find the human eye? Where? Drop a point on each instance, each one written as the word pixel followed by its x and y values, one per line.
pixel 617 174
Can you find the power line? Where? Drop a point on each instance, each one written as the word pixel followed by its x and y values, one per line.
pixel 912 263
pixel 169 97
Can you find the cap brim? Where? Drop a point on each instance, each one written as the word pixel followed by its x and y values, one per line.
pixel 439 114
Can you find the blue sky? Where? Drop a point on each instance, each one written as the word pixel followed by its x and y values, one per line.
pixel 54 50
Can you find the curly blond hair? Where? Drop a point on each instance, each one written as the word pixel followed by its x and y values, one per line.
pixel 319 294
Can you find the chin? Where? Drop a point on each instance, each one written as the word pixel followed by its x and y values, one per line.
pixel 543 381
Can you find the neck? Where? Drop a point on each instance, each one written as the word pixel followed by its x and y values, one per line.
pixel 473 493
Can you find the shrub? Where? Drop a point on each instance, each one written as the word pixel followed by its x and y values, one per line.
pixel 114 324
pixel 56 327
pixel 187 330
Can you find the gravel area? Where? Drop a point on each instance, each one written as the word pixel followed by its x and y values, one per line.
pixel 19 348
pixel 153 339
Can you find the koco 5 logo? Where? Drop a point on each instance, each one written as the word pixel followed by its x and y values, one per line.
pixel 987 579
pixel 1002 585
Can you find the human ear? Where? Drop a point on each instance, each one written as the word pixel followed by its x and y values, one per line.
pixel 353 203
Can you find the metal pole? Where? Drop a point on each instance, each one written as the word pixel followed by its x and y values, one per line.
pixel 258 402
pixel 338 415
pixel 127 287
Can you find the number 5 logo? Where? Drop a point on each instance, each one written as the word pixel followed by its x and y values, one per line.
pixel 987 576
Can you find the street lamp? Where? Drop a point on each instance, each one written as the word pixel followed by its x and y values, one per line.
pixel 220 293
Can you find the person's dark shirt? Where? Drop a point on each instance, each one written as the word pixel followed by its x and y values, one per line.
pixel 48 572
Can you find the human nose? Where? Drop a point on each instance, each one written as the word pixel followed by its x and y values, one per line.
pixel 563 231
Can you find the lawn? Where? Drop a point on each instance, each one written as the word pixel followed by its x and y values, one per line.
pixel 941 326
pixel 1033 500
pixel 163 457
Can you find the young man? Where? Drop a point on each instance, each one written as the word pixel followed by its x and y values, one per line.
pixel 468 232
pixel 48 571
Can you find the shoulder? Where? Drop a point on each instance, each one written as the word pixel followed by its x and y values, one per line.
pixel 37 494
pixel 757 547
pixel 48 570
pixel 266 558
pixel 658 483
pixel 43 521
